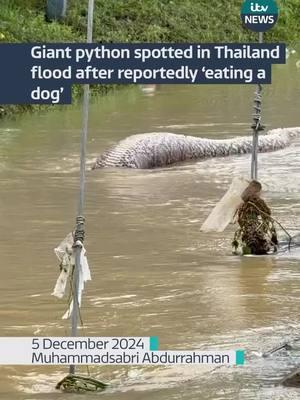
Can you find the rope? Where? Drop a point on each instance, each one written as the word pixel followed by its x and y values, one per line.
pixel 80 220
pixel 79 230
pixel 256 126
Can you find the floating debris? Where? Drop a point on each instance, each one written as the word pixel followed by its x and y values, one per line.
pixel 292 380
pixel 80 384
pixel 256 233
pixel 284 346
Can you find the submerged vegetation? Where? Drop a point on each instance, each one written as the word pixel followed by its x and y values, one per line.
pixel 140 21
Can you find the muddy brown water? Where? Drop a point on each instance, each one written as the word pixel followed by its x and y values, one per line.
pixel 153 272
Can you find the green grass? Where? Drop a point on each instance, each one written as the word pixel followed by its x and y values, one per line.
pixel 140 21
pixel 25 24
pixel 179 21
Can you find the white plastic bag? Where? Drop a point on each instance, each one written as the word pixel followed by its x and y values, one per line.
pixel 64 253
pixel 66 256
pixel 84 275
pixel 223 213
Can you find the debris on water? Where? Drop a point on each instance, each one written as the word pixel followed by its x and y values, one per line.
pixel 80 384
pixel 242 203
pixel 256 233
pixel 284 346
pixel 292 380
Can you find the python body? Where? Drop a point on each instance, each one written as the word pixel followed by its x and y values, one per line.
pixel 160 149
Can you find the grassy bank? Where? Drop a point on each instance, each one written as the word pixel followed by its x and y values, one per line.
pixel 139 21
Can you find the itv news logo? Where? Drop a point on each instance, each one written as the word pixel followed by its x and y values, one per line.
pixel 259 15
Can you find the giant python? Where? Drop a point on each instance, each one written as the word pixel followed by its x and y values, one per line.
pixel 160 149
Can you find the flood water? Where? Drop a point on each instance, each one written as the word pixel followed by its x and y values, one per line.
pixel 154 273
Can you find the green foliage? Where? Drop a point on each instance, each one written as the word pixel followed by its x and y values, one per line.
pixel 24 24
pixel 287 28
pixel 144 21
pixel 179 21
pixel 29 4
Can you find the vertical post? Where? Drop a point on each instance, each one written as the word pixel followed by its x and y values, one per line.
pixel 256 125
pixel 80 219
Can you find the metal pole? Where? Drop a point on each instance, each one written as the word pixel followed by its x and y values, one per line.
pixel 256 125
pixel 80 218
